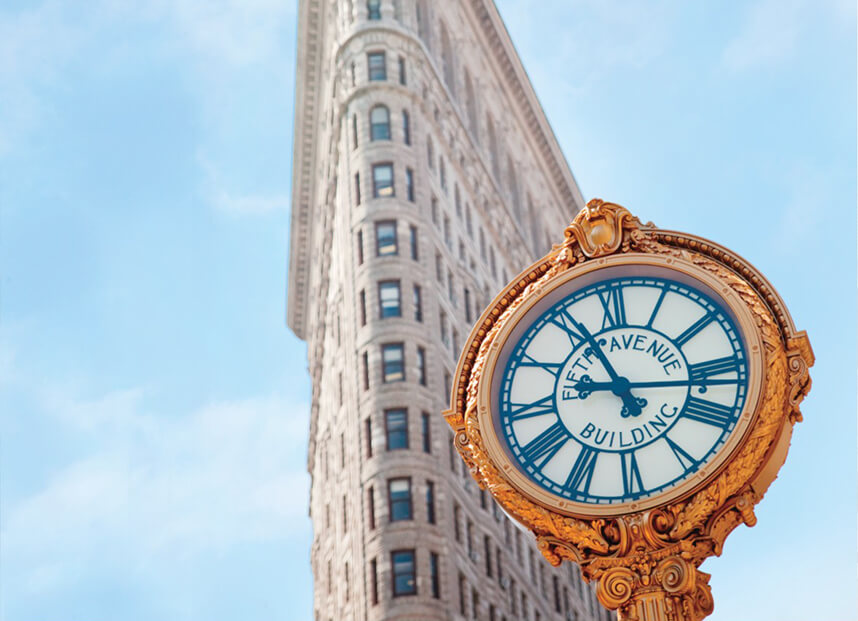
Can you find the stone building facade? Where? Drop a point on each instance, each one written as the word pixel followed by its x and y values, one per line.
pixel 425 175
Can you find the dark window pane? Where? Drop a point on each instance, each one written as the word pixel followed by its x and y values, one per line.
pixel 373 9
pixel 385 238
pixel 382 180
pixel 399 493
pixel 404 582
pixel 379 123
pixel 389 299
pixel 396 424
pixel 377 67
pixel 393 364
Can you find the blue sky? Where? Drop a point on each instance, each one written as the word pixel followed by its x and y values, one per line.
pixel 154 405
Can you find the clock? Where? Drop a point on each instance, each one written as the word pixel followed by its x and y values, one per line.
pixel 624 383
pixel 628 398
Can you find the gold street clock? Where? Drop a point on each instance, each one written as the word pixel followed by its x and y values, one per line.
pixel 629 398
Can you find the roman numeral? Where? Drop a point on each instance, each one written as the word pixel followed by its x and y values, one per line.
pixel 632 483
pixel 582 471
pixel 656 308
pixel 519 411
pixel 685 460
pixel 614 307
pixel 694 329
pixel 545 446
pixel 707 412
pixel 572 328
pixel 702 370
pixel 530 361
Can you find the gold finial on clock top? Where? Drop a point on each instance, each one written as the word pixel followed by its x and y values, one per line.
pixel 643 548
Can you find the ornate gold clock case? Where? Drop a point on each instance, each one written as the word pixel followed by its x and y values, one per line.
pixel 629 398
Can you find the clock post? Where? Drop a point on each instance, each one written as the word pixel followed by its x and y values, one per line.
pixel 629 398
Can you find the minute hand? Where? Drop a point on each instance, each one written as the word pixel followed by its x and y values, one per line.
pixel 588 387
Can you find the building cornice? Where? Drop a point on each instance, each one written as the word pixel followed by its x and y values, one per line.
pixel 307 78
pixel 521 90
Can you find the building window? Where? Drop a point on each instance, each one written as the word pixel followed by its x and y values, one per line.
pixel 556 583
pixel 354 132
pixel 442 172
pixel 430 502
pixel 418 304
pixel 463 585
pixel 368 433
pixel 433 575
pixel 482 245
pixel 389 304
pixel 445 334
pixel 492 263
pixel 457 200
pixel 469 225
pixel 412 235
pixel 385 238
pixel 447 385
pixel 451 288
pixel 430 152
pixel 373 580
pixel 399 499
pixel 402 77
pixel 406 127
pixel 365 370
pixel 409 184
pixel 426 432
pixel 393 362
pixel 475 603
pixel 499 566
pixel 439 268
pixel 379 123
pixel 362 307
pixel 357 188
pixel 370 500
pixel 354 75
pixel 404 578
pixel 396 428
pixel 359 244
pixel 448 238
pixel 373 9
pixel 469 536
pixel 467 305
pixel 487 550
pixel 457 522
pixel 382 180
pixel 377 66
pixel 421 365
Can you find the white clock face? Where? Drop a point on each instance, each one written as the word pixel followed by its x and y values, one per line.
pixel 621 390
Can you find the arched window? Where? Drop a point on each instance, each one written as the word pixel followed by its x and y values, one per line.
pixel 471 105
pixel 447 59
pixel 379 123
pixel 493 147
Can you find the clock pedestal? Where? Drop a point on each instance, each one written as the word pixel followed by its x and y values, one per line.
pixel 645 552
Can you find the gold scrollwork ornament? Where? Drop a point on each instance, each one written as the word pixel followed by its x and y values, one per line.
pixel 646 559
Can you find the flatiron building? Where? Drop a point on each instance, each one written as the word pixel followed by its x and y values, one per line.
pixel 425 176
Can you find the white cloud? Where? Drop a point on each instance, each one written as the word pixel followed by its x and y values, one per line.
pixel 159 489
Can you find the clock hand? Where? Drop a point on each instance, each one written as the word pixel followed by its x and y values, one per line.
pixel 588 386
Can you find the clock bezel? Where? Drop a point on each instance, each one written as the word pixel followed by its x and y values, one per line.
pixel 684 270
